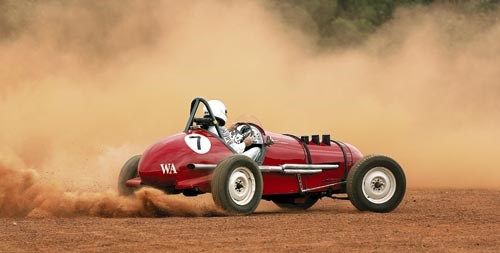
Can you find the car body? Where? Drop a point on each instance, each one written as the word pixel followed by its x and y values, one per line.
pixel 294 172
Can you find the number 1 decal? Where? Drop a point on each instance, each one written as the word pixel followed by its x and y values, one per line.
pixel 198 143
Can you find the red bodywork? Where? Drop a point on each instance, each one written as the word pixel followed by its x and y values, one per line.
pixel 173 151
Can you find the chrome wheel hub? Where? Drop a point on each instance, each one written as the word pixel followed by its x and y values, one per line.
pixel 379 185
pixel 241 186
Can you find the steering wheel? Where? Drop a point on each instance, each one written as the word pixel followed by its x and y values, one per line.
pixel 242 131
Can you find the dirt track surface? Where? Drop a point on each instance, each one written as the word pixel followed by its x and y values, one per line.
pixel 428 220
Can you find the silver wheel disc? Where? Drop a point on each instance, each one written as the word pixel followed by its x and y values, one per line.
pixel 241 186
pixel 379 185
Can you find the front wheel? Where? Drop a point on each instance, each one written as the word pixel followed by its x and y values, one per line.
pixel 237 185
pixel 376 183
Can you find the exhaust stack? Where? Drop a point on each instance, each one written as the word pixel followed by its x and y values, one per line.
pixel 326 139
pixel 304 139
pixel 315 139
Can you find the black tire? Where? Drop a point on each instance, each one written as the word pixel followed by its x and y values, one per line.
pixel 129 171
pixel 244 198
pixel 289 203
pixel 376 183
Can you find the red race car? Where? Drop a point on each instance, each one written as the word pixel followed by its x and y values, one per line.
pixel 293 172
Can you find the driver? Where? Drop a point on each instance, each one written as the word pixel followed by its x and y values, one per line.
pixel 220 113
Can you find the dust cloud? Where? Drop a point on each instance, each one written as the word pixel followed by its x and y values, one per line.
pixel 86 85
pixel 23 193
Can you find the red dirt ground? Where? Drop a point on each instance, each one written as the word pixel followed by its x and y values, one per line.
pixel 428 220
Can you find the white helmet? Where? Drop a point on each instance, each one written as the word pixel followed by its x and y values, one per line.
pixel 218 109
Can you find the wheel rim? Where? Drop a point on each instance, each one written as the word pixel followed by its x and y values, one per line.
pixel 379 185
pixel 241 186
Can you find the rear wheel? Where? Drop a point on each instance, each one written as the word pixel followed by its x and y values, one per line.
pixel 376 183
pixel 295 204
pixel 129 171
pixel 237 185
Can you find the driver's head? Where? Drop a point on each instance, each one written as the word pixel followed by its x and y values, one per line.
pixel 219 110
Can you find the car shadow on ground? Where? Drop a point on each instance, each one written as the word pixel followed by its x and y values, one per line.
pixel 322 206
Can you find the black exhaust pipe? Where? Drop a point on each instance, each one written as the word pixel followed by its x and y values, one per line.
pixel 315 139
pixel 304 139
pixel 326 139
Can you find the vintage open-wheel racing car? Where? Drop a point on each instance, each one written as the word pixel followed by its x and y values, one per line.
pixel 293 172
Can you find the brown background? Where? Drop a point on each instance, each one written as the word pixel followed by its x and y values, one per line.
pixel 85 86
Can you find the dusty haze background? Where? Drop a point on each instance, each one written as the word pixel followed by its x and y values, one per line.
pixel 86 85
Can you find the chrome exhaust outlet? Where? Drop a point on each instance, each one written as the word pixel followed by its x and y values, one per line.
pixel 198 166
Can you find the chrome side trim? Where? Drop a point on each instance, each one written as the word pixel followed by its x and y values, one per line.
pixel 285 168
pixel 270 168
pixel 310 166
pixel 298 168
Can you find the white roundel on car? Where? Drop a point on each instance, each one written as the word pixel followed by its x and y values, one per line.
pixel 198 143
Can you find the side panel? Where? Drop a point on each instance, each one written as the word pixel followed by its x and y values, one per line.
pixel 155 167
pixel 284 150
pixel 325 154
pixel 290 150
